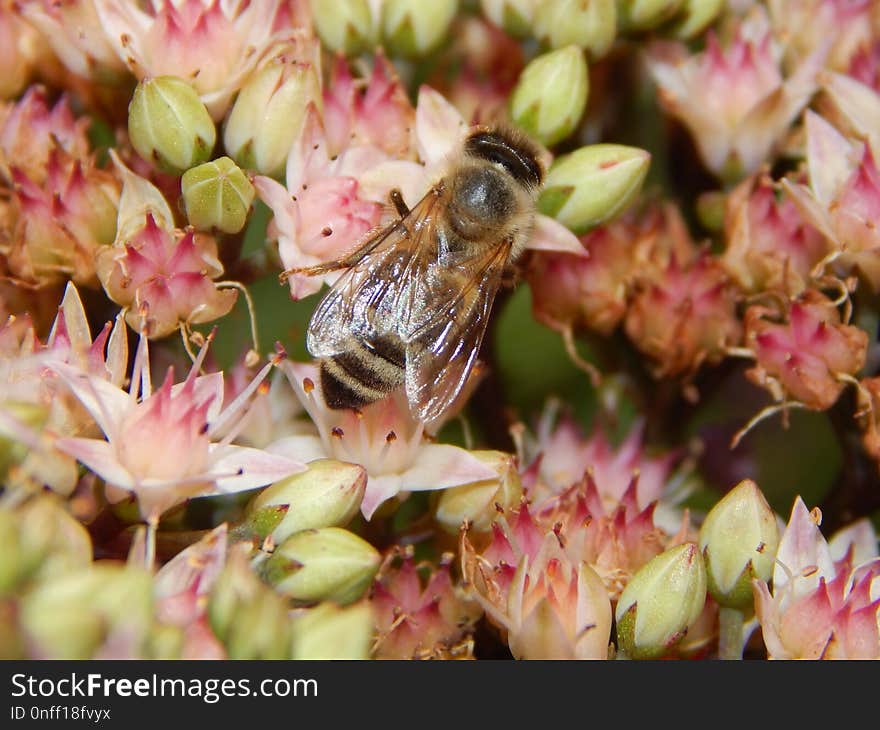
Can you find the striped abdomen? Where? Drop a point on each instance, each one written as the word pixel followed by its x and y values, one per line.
pixel 365 373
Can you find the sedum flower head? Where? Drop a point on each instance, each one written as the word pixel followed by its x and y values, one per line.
pixel 823 603
pixel 179 421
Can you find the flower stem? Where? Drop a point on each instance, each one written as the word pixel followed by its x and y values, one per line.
pixel 730 641
pixel 150 547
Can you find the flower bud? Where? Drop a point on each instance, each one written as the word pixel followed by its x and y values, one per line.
pixel 72 615
pixel 662 600
pixel 640 15
pixel 551 94
pixel 344 25
pixel 739 539
pixel 217 194
pixel 51 540
pixel 591 25
pixel 593 184
pixel 477 504
pixel 329 564
pixel 515 16
pixel 22 415
pixel 328 494
pixel 328 631
pixel 169 125
pixel 414 28
pixel 246 615
pixel 268 114
pixel 695 16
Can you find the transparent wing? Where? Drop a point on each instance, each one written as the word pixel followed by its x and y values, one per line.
pixel 444 338
pixel 372 295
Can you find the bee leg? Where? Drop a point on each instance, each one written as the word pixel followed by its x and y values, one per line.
pixel 400 205
pixel 313 270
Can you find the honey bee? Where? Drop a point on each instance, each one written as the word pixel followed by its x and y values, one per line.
pixel 411 307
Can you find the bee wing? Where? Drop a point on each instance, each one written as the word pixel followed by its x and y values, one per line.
pixel 442 347
pixel 374 286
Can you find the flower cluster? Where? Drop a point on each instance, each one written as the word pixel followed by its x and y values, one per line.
pixel 589 273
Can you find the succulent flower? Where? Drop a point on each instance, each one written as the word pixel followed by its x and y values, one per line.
pixel 734 101
pixel 548 605
pixel 420 613
pixel 684 315
pixel 806 357
pixel 822 606
pixel 842 197
pixel 384 439
pixel 769 246
pixel 212 46
pixel 179 421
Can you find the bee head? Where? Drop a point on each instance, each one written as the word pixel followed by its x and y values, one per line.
pixel 509 149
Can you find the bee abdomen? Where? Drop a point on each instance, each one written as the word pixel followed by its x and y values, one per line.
pixel 364 374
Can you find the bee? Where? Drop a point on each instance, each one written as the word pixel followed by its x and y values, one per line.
pixel 412 304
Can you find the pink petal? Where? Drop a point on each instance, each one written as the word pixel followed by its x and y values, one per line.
pixel 100 457
pixel 379 489
pixel 859 103
pixel 439 126
pixel 105 402
pixel 550 235
pixel 298 448
pixel 238 468
pixel 441 465
pixel 802 548
pixel 828 158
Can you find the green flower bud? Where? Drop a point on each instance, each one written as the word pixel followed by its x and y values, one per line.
pixel 739 539
pixel 551 95
pixel 478 503
pixel 515 16
pixel 330 564
pixel 246 615
pixel 328 494
pixel 72 615
pixel 695 16
pixel 662 600
pixel 640 15
pixel 344 25
pixel 217 194
pixel 328 631
pixel 28 415
pixel 588 24
pixel 414 28
pixel 268 114
pixel 51 540
pixel 169 125
pixel 593 184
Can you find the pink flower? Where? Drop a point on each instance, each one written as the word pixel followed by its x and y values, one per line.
pixel 420 618
pixel 161 445
pixel 804 358
pixel 823 605
pixel 549 607
pixel 734 101
pixel 384 438
pixel 769 246
pixel 211 44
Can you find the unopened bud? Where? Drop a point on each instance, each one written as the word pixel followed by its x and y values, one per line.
pixel 515 16
pixel 551 95
pixel 51 540
pixel 345 25
pixel 328 631
pixel 593 184
pixel 739 539
pixel 695 16
pixel 217 194
pixel 588 24
pixel 246 615
pixel 662 600
pixel 22 416
pixel 414 28
pixel 478 504
pixel 640 15
pixel 327 494
pixel 169 125
pixel 72 615
pixel 268 114
pixel 329 564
